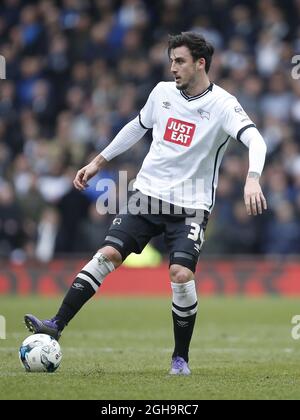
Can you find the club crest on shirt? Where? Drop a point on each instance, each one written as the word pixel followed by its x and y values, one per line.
pixel 117 221
pixel 203 114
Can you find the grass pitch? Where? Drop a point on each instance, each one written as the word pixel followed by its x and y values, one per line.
pixel 120 348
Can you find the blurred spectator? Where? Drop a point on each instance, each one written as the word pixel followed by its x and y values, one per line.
pixel 282 232
pixel 277 102
pixel 30 73
pixel 11 232
pixel 239 236
pixel 92 230
pixel 73 209
pixel 46 235
pixel 278 189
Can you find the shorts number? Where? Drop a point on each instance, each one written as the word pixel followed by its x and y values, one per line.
pixel 196 232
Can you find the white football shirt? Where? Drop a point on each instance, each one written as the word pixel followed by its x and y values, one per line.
pixel 190 136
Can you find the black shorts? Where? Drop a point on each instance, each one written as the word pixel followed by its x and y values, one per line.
pixel 183 234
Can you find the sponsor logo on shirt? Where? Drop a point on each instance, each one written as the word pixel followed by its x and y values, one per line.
pixel 179 132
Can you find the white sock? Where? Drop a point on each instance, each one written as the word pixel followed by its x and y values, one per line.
pixel 95 271
pixel 184 301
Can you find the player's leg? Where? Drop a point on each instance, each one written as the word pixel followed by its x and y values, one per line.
pixel 185 238
pixel 128 233
pixel 184 311
pixel 83 288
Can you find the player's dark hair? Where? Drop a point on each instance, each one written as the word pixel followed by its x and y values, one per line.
pixel 196 43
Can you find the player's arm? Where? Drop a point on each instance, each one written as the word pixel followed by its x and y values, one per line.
pixel 130 134
pixel 254 198
pixel 239 126
pixel 126 138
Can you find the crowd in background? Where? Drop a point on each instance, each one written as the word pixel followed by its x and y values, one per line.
pixel 78 70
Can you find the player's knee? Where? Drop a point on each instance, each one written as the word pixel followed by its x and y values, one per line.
pixel 112 254
pixel 180 274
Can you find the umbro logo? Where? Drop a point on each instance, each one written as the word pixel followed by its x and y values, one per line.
pixel 166 105
pixel 182 324
pixel 77 286
pixel 203 114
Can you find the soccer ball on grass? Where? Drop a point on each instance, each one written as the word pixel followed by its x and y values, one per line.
pixel 40 353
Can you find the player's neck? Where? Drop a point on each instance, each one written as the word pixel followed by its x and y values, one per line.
pixel 199 87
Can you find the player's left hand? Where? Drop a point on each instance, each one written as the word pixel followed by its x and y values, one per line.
pixel 254 199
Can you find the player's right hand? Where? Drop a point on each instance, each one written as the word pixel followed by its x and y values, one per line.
pixel 85 174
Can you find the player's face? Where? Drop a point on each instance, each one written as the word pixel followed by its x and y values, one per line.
pixel 185 70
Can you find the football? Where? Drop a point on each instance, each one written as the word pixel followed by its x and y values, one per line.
pixel 40 353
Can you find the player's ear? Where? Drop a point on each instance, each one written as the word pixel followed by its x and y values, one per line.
pixel 201 63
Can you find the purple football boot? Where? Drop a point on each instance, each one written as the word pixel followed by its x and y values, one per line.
pixel 47 326
pixel 179 366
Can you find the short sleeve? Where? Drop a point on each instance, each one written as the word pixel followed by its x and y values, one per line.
pixel 235 119
pixel 146 115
